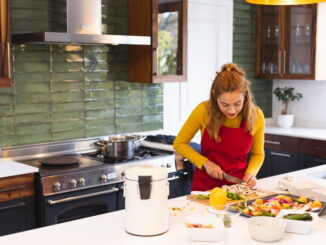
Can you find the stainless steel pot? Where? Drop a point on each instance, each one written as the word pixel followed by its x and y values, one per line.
pixel 120 147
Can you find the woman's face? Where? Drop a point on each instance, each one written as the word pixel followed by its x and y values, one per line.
pixel 231 103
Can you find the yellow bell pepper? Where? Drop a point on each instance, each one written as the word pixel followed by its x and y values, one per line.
pixel 217 197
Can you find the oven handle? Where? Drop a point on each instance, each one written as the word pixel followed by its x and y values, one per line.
pixel 68 199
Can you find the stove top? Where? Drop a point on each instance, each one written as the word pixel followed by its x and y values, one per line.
pixel 91 169
pixel 93 160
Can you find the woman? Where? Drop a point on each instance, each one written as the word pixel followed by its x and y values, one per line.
pixel 232 126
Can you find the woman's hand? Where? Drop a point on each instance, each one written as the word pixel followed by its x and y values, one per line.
pixel 250 179
pixel 213 170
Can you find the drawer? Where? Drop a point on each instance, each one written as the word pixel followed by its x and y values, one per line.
pixel 281 143
pixel 16 187
pixel 313 147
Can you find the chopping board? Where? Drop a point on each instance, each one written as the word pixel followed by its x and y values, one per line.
pixel 261 193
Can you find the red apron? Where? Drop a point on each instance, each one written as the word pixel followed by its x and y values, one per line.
pixel 230 154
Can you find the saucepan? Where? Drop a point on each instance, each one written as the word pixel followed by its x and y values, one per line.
pixel 120 147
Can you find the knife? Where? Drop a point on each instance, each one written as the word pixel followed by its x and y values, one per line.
pixel 232 179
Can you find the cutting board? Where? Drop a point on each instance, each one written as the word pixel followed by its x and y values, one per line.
pixel 262 193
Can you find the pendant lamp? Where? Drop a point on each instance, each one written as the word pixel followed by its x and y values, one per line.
pixel 284 2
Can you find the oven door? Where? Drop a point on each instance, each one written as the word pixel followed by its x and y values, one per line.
pixel 78 204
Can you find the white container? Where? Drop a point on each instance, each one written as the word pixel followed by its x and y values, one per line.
pixel 266 229
pixel 301 188
pixel 214 234
pixel 84 16
pixel 318 194
pixel 146 190
pixel 285 121
pixel 297 226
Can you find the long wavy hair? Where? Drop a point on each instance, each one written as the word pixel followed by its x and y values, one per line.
pixel 231 78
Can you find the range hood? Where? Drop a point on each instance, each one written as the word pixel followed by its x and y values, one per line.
pixel 84 24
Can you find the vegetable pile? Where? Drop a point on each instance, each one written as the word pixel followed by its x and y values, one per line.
pixel 273 205
pixel 229 195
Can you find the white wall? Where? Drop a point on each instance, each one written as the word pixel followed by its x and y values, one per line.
pixel 310 111
pixel 210 43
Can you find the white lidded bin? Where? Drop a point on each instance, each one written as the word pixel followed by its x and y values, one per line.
pixel 146 190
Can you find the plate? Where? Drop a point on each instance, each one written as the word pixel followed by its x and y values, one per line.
pixel 274 195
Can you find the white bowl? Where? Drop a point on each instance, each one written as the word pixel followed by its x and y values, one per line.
pixel 213 234
pixel 297 226
pixel 266 229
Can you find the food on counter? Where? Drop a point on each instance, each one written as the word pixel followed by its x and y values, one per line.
pixel 176 209
pixel 272 206
pixel 302 200
pixel 240 189
pixel 202 196
pixel 303 217
pixel 217 197
pixel 199 225
pixel 229 195
pixel 234 196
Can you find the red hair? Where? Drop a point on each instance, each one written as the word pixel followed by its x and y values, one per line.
pixel 231 78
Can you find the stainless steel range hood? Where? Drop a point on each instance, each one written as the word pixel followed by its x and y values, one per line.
pixel 74 38
pixel 84 24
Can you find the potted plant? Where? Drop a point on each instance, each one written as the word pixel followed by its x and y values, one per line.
pixel 285 95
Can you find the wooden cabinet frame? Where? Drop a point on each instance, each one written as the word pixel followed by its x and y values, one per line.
pixel 5 45
pixel 142 60
pixel 284 44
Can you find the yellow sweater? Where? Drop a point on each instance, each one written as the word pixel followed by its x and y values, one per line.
pixel 198 120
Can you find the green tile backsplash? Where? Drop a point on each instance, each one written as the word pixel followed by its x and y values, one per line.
pixel 244 50
pixel 64 92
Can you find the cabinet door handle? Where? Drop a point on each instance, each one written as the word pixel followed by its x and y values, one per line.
pixel 284 60
pixel 319 160
pixel 320 148
pixel 279 61
pixel 280 154
pixel 9 63
pixel 16 205
pixel 173 178
pixel 272 142
pixel 69 199
pixel 16 188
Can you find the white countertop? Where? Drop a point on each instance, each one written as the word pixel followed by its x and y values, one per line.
pixel 109 228
pixel 11 168
pixel 309 133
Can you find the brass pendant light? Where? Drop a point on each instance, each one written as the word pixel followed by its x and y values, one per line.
pixel 284 2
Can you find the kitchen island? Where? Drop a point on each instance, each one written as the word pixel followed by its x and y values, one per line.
pixel 109 228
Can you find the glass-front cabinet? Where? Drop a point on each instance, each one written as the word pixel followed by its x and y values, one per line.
pixel 165 60
pixel 286 41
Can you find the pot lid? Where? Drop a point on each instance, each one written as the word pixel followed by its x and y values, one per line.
pixel 157 173
pixel 59 161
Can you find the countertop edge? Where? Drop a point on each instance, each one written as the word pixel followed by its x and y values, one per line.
pixel 9 168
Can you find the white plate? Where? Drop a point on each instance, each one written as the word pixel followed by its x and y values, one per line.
pixel 216 233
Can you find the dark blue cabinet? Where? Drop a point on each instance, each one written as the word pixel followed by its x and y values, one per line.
pixel 281 155
pixel 17 204
pixel 283 162
pixel 285 154
pixel 17 215
pixel 180 182
pixel 308 161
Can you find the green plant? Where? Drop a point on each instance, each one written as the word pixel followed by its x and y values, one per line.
pixel 285 95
